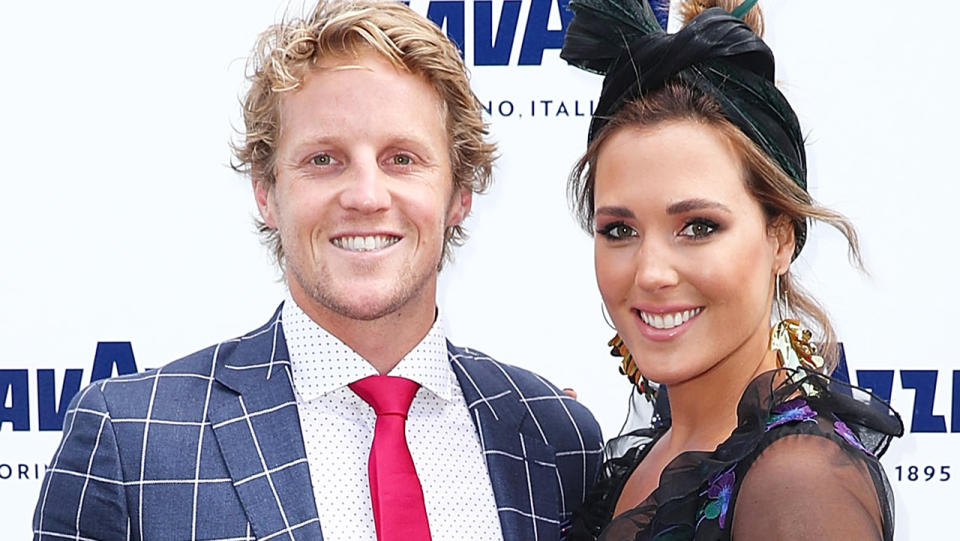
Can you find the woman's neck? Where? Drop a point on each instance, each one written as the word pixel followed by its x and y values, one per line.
pixel 703 409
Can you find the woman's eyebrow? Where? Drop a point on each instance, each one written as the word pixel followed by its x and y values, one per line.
pixel 617 212
pixel 688 205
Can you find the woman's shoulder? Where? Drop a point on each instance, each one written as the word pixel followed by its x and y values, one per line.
pixel 814 444
pixel 832 485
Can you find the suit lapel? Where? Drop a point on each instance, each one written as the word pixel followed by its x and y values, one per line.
pixel 522 466
pixel 257 427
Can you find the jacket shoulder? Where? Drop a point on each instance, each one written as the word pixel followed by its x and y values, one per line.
pixel 546 413
pixel 541 397
pixel 130 395
pixel 527 383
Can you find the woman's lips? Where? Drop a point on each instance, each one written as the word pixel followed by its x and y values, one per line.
pixel 661 324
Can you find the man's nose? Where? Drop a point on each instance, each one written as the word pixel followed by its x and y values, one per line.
pixel 655 266
pixel 366 189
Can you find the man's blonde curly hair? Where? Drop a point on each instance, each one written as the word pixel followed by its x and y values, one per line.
pixel 286 52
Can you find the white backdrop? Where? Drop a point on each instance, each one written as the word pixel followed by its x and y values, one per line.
pixel 124 222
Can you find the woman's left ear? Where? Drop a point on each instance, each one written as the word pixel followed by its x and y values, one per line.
pixel 783 234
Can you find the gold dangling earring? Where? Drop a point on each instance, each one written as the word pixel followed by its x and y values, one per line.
pixel 628 366
pixel 792 343
pixel 778 298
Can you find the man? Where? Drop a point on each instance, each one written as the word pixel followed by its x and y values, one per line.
pixel 365 145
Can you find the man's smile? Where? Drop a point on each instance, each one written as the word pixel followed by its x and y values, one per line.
pixel 364 243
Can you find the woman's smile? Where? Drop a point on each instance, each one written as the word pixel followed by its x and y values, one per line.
pixel 662 324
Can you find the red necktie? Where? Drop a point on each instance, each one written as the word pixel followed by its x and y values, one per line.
pixel 398 509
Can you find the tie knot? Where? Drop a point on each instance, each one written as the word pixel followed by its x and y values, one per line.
pixel 387 395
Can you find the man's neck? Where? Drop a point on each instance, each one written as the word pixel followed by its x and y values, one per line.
pixel 382 342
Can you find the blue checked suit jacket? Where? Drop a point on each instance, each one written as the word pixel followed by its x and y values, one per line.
pixel 209 448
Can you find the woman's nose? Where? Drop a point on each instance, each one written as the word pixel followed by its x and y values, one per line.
pixel 655 269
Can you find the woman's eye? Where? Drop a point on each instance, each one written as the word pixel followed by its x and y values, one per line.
pixel 698 229
pixel 322 159
pixel 617 231
pixel 402 159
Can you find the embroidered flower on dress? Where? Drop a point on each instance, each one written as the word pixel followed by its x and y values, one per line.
pixel 844 431
pixel 719 493
pixel 788 412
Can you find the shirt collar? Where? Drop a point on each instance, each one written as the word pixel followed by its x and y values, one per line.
pixel 320 362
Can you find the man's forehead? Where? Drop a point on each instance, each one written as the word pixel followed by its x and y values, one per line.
pixel 381 70
pixel 328 91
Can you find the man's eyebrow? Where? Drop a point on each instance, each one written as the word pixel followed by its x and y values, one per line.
pixel 332 137
pixel 688 205
pixel 411 139
pixel 313 140
pixel 616 212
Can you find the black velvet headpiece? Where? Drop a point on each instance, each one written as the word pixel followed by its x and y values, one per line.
pixel 716 52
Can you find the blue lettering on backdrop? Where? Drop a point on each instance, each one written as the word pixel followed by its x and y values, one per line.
pixel 924 382
pixel 50 415
pixel 536 37
pixel 955 410
pixel 486 50
pixel 880 382
pixel 112 354
pixel 924 385
pixel 450 12
pixel 50 411
pixel 495 50
pixel 14 391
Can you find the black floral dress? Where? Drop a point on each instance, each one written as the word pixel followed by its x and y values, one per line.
pixel 697 494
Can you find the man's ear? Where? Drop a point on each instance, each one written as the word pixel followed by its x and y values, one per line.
pixel 460 204
pixel 263 193
pixel 785 243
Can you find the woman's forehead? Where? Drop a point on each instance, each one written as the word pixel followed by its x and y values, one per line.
pixel 668 163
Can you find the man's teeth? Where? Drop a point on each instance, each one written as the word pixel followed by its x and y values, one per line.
pixel 668 321
pixel 365 244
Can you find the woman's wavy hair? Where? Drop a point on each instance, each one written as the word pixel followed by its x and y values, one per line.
pixel 778 194
pixel 286 52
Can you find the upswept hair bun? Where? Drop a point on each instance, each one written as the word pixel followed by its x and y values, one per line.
pixel 691 8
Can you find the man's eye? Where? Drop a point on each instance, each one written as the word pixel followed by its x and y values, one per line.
pixel 698 229
pixel 322 159
pixel 402 159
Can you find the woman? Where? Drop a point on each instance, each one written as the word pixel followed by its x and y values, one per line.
pixel 694 185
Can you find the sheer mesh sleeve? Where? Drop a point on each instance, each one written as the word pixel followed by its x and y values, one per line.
pixel 806 486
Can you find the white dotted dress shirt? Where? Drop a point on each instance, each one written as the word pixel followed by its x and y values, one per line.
pixel 338 429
